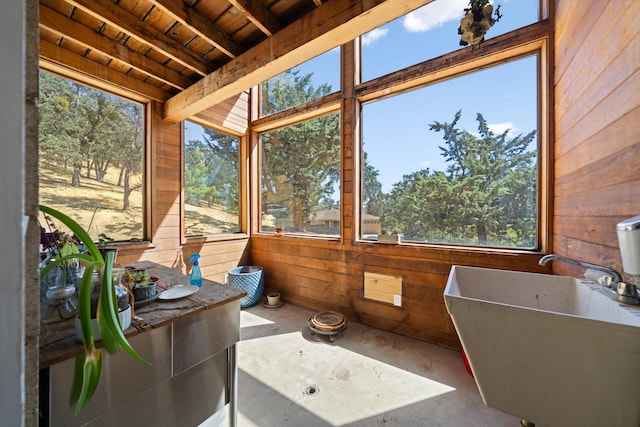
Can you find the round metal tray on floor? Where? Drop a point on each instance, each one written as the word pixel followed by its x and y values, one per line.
pixel 328 323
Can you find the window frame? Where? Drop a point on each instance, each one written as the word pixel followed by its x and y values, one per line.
pixel 243 193
pixel 534 39
pixel 147 217
pixel 523 42
pixel 325 106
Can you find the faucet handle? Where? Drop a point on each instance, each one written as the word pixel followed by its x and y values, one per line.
pixel 606 281
pixel 627 290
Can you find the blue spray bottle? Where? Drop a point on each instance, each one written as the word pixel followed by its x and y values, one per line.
pixel 196 274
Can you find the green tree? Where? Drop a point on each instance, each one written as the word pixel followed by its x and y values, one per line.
pixel 223 168
pixel 486 196
pixel 373 198
pixel 302 159
pixel 195 172
pixel 58 127
pixel 130 133
pixel 87 129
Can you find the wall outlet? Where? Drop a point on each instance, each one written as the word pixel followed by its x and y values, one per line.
pixel 397 300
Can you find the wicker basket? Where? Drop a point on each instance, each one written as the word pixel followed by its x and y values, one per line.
pixel 249 279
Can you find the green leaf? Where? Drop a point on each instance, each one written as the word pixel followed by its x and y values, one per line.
pixel 91 368
pixel 57 262
pixel 76 229
pixel 108 318
pixel 88 366
pixel 84 305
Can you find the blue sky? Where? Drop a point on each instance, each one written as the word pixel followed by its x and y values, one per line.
pixel 396 130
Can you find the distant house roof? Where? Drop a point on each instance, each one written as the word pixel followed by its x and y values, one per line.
pixel 327 215
pixel 334 215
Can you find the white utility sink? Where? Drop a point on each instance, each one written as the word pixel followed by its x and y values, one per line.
pixel 552 350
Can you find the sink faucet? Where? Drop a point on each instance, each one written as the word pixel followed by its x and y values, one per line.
pixel 617 277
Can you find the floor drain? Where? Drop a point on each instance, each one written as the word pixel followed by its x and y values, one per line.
pixel 311 390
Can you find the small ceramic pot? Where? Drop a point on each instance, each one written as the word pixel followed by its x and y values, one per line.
pixel 273 298
pixel 125 322
pixel 141 293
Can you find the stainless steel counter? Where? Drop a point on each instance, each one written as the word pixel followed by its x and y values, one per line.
pixel 191 343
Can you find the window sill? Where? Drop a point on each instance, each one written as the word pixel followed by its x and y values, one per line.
pixel 452 247
pixel 215 238
pixel 131 245
pixel 298 236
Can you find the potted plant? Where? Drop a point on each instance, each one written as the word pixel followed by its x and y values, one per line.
pixel 477 20
pixel 88 366
pixel 144 286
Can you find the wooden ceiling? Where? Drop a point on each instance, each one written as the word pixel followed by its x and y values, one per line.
pixel 192 54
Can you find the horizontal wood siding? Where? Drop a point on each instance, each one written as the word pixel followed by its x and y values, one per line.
pixel 597 123
pixel 328 275
pixel 217 257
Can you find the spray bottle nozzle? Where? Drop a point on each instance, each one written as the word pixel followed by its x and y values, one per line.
pixel 194 258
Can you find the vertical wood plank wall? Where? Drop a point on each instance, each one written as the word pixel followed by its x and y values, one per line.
pixel 597 122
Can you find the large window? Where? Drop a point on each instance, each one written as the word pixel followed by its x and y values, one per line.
pixel 300 162
pixel 306 82
pixel 211 181
pixel 455 162
pixel 300 177
pixel 450 148
pixel 449 137
pixel 91 157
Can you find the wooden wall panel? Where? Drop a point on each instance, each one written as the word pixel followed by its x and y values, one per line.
pixel 597 117
pixel 230 115
pixel 322 275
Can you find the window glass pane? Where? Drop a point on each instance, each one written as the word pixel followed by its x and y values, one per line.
pixel 211 173
pixel 431 31
pixel 91 157
pixel 455 162
pixel 312 80
pixel 301 177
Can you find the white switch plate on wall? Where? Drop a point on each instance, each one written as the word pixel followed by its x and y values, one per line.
pixel 397 300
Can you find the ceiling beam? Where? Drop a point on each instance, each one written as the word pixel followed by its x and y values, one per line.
pixel 199 24
pixel 258 15
pixel 95 73
pixel 131 25
pixel 70 29
pixel 331 24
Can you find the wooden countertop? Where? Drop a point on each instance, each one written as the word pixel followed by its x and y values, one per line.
pixel 58 340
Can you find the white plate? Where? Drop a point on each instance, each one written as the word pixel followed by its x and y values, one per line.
pixel 179 291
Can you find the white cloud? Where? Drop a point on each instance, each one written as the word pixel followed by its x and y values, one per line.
pixel 424 164
pixel 434 15
pixel 374 35
pixel 499 128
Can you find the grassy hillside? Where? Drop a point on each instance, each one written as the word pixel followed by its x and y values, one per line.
pixel 97 206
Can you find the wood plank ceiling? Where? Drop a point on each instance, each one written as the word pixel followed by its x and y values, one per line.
pixel 188 52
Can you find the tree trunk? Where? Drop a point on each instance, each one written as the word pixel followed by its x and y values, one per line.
pixel 89 166
pixel 75 178
pixel 482 233
pixel 127 191
pixel 121 176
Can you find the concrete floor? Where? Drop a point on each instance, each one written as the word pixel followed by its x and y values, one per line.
pixel 288 376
